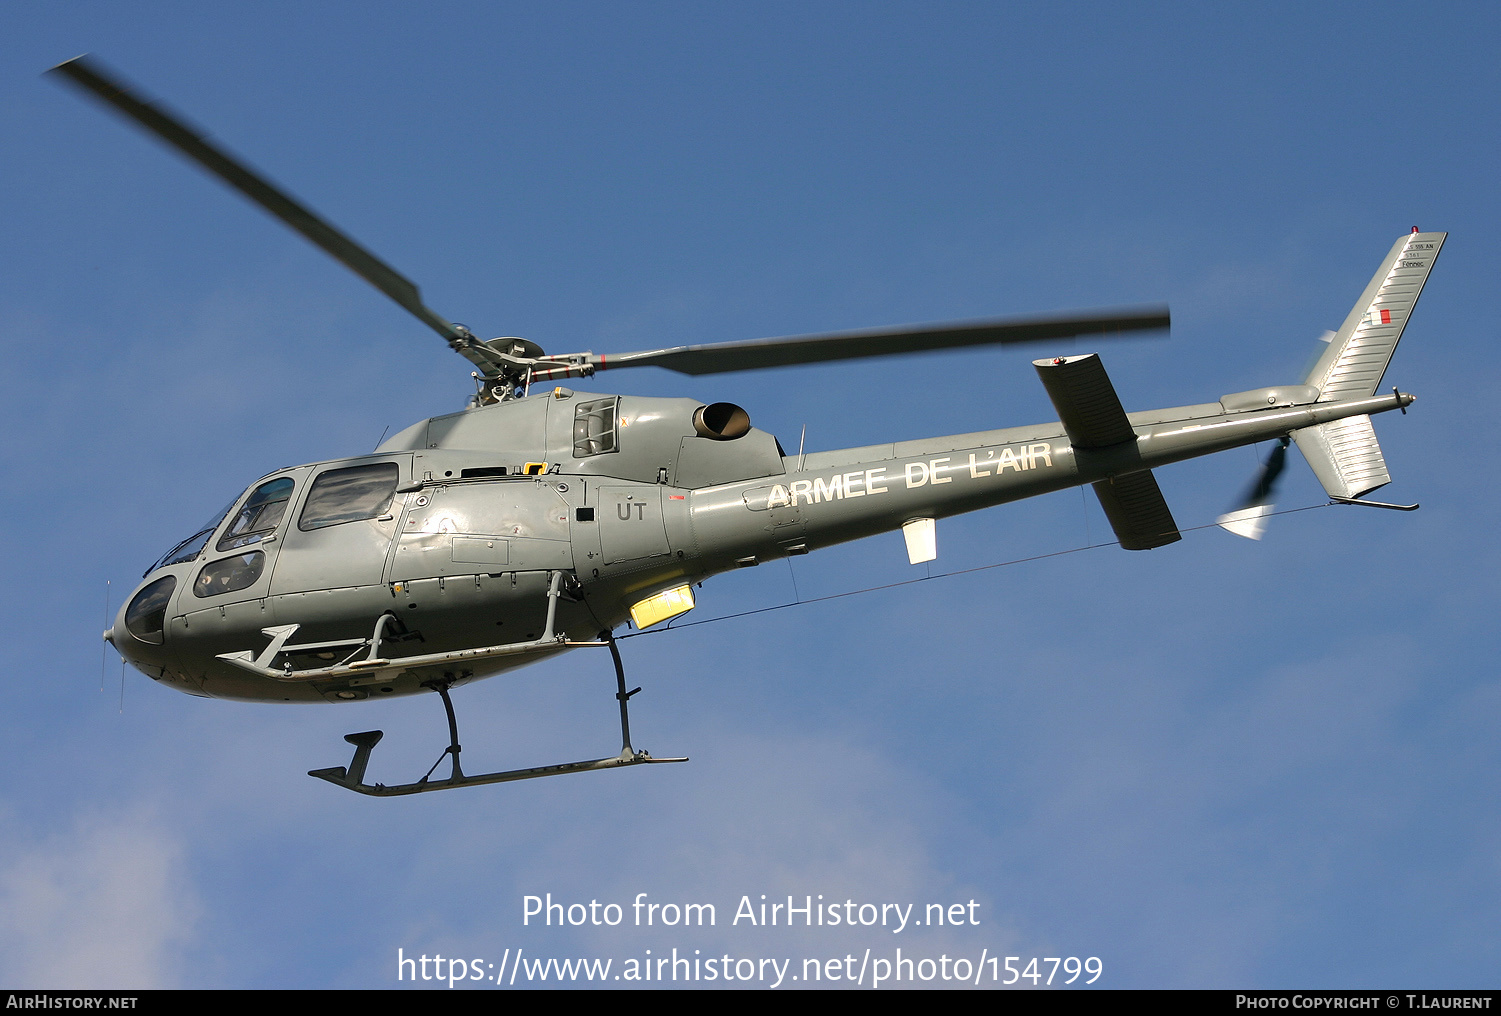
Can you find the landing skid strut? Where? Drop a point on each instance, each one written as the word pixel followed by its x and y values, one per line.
pixel 353 776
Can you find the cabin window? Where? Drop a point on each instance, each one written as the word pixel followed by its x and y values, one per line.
pixel 594 428
pixel 146 617
pixel 349 495
pixel 189 549
pixel 230 574
pixel 260 515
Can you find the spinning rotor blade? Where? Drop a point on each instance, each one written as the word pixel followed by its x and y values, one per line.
pixel 91 76
pixel 1249 519
pixel 727 356
pixel 511 363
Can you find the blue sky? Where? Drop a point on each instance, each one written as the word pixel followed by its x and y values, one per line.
pixel 1221 763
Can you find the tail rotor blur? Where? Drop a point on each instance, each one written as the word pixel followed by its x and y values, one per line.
pixel 1249 520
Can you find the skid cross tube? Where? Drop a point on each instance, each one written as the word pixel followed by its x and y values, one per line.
pixel 441 687
pixel 352 777
pixel 621 694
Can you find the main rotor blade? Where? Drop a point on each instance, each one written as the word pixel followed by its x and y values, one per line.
pixel 89 75
pixel 720 357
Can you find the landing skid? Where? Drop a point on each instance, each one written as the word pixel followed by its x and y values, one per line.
pixel 352 777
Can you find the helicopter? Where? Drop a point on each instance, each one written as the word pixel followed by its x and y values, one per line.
pixel 539 518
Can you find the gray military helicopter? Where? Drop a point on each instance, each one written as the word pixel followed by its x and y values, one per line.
pixel 540 519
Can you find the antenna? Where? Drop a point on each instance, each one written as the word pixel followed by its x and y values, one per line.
pixel 103 649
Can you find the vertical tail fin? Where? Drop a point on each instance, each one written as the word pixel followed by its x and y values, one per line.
pixel 1345 455
pixel 1357 356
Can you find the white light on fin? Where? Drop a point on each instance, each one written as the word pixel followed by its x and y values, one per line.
pixel 922 540
pixel 1248 522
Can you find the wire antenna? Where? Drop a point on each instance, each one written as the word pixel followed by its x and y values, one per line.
pixel 104 649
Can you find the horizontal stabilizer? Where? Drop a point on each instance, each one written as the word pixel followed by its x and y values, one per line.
pixel 1344 456
pixel 1086 401
pixel 1137 511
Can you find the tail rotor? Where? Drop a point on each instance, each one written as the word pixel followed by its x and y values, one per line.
pixel 1249 520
